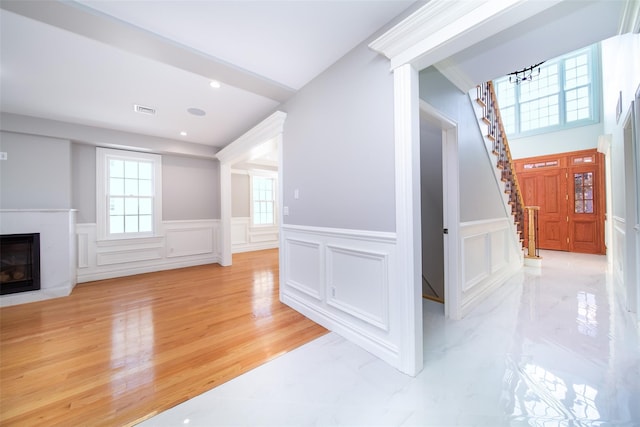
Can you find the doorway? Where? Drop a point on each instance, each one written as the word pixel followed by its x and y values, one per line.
pixel 569 189
pixel 439 211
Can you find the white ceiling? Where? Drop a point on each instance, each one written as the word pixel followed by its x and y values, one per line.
pixel 88 62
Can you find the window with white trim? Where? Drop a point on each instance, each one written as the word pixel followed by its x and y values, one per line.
pixel 263 200
pixel 564 94
pixel 128 187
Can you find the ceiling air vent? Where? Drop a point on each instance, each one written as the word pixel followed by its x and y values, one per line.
pixel 144 110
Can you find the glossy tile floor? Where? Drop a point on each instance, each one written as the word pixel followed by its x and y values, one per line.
pixel 549 349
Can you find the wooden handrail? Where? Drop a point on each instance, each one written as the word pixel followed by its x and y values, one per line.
pixel 491 116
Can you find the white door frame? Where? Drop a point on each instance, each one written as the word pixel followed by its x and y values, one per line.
pixel 270 128
pixel 631 210
pixel 451 208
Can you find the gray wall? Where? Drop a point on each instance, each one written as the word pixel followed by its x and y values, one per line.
pixel 190 186
pixel 432 209
pixel 338 148
pixel 240 195
pixel 83 182
pixel 37 173
pixel 480 196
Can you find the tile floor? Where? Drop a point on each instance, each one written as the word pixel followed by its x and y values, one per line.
pixel 549 349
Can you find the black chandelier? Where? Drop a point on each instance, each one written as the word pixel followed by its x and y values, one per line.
pixel 526 74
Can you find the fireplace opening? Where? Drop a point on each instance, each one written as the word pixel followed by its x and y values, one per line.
pixel 19 263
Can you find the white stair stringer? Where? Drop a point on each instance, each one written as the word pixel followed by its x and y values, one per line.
pixel 497 172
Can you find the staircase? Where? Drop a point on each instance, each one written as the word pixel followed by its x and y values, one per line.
pixel 488 113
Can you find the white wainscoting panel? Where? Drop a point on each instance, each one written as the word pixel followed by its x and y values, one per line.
pixel 358 283
pixel 619 237
pixel 303 267
pixel 245 238
pixel 184 239
pixel 342 280
pixel 183 244
pixel 475 259
pixel 489 257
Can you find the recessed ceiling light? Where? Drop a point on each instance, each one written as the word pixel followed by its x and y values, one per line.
pixel 183 133
pixel 196 111
pixel 215 84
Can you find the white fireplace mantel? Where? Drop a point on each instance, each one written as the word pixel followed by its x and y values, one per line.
pixel 57 250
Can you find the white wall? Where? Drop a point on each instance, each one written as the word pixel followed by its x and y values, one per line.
pixel 621 80
pixel 574 139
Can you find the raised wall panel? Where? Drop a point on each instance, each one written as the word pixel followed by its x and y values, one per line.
pixel 128 255
pixel 304 267
pixel 499 249
pixel 342 280
pixel 476 259
pixel 490 255
pixel 245 237
pixel 184 244
pixel 192 241
pixel 239 231
pixel 357 283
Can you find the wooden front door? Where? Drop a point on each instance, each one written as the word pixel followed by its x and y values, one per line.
pixel 569 189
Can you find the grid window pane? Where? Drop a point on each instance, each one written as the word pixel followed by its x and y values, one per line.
pixel 583 184
pixel 116 186
pixel 131 224
pixel 130 169
pixel 145 206
pixel 130 196
pixel 116 224
pixel 131 187
pixel 116 168
pixel 145 187
pixel 145 170
pixel 116 206
pixel 263 200
pixel 131 206
pixel 146 223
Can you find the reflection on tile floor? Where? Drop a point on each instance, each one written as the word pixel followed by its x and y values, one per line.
pixel 549 349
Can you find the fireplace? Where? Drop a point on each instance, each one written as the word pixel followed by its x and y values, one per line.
pixel 19 263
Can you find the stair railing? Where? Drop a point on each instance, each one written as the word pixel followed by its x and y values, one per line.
pixel 486 96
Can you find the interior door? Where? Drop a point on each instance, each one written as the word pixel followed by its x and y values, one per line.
pixel 547 188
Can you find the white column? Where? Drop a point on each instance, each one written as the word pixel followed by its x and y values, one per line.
pixel 408 223
pixel 225 214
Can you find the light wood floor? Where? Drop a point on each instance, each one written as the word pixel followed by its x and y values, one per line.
pixel 116 352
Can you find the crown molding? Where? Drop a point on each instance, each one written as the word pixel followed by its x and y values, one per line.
pixel 630 22
pixel 442 28
pixel 269 128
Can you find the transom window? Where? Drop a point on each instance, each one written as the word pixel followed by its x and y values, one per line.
pixel 564 94
pixel 263 200
pixel 128 187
